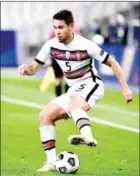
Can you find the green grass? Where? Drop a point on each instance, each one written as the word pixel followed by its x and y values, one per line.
pixel 21 153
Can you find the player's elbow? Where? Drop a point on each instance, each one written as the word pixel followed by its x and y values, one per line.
pixel 111 62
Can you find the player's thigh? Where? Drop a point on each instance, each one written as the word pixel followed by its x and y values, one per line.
pixel 52 112
pixel 61 103
pixel 77 101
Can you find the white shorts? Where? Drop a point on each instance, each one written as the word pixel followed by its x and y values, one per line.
pixel 89 90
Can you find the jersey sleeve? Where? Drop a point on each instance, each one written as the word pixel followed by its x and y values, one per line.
pixel 97 52
pixel 43 54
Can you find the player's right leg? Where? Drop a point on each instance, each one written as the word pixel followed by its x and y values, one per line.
pixel 48 116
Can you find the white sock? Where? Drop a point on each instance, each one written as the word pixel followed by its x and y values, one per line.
pixel 81 119
pixel 86 132
pixel 48 138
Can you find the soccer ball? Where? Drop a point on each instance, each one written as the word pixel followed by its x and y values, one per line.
pixel 67 162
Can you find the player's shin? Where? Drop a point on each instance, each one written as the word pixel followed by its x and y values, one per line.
pixel 81 120
pixel 48 138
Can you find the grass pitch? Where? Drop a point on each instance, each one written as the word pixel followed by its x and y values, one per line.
pixel 21 153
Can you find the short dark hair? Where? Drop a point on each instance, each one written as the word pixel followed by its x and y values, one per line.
pixel 65 15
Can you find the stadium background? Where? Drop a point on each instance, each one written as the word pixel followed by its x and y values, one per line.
pixel 115 26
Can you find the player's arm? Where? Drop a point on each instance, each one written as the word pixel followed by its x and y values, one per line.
pixel 31 69
pixel 116 68
pixel 102 56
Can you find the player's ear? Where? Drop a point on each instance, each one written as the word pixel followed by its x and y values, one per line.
pixel 71 26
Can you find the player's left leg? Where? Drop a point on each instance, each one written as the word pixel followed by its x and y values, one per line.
pixel 77 108
pixel 84 95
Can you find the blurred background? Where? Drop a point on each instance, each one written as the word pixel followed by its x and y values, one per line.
pixel 115 26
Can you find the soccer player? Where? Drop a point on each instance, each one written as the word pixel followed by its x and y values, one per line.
pixel 75 55
pixel 56 68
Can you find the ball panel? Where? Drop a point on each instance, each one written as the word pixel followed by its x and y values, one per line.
pixel 63 169
pixel 71 161
pixel 60 156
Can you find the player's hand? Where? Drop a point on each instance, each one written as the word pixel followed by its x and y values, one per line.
pixel 127 93
pixel 22 69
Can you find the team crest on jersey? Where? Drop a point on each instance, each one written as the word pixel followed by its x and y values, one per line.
pixel 101 52
pixel 67 54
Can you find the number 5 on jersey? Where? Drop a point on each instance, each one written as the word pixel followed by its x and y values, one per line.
pixel 68 66
pixel 81 87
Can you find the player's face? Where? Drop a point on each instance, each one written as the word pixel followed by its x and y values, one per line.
pixel 62 30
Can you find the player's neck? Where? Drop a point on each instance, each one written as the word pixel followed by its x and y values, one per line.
pixel 69 39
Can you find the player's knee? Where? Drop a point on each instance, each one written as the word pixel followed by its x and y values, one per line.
pixel 41 115
pixel 78 102
pixel 51 113
pixel 45 118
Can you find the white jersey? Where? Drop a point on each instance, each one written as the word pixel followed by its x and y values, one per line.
pixel 76 59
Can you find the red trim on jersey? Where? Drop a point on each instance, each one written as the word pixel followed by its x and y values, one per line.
pixel 77 55
pixel 77 73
